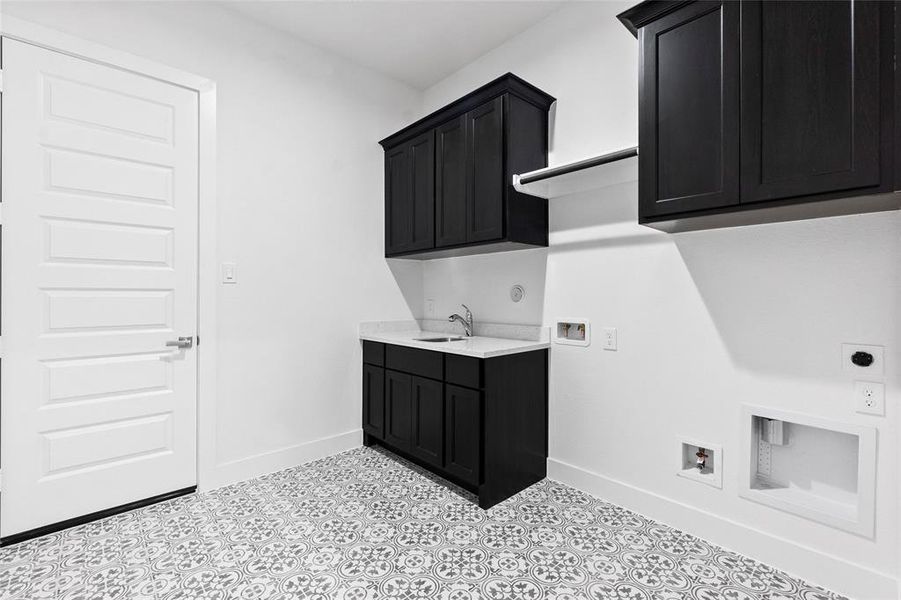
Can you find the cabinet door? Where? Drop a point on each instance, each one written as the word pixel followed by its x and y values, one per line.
pixel 463 433
pixel 810 97
pixel 427 440
pixel 689 110
pixel 486 184
pixel 374 401
pixel 398 409
pixel 410 196
pixel 450 186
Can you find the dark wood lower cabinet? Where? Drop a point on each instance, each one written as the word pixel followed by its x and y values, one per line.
pixel 374 400
pixel 398 409
pixel 428 421
pixel 488 436
pixel 463 425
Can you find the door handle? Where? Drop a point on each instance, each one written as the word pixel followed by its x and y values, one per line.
pixel 184 343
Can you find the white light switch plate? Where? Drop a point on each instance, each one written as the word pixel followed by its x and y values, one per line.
pixel 229 272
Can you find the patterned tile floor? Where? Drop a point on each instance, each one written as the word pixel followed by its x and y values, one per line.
pixel 365 525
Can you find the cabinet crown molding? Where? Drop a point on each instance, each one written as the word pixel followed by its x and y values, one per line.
pixel 505 84
pixel 641 14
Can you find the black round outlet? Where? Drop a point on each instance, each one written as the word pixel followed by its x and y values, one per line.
pixel 862 359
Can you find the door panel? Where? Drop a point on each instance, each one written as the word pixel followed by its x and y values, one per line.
pixel 398 200
pixel 810 97
pixel 99 272
pixel 450 183
pixel 74 241
pixel 688 113
pixel 398 409
pixel 374 401
pixel 428 421
pixel 410 196
pixel 485 193
pixel 422 171
pixel 463 433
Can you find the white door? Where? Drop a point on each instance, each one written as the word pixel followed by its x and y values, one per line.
pixel 99 251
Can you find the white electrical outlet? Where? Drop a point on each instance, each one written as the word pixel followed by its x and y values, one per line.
pixel 609 339
pixel 869 397
pixel 430 308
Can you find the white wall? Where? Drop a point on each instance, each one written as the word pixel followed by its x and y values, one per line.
pixel 300 200
pixel 707 321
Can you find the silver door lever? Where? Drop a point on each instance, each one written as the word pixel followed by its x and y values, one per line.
pixel 182 342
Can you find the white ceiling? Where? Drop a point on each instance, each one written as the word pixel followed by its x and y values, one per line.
pixel 419 42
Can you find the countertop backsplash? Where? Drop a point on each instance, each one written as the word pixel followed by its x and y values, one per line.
pixel 534 333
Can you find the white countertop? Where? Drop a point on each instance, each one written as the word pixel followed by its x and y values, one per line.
pixel 476 346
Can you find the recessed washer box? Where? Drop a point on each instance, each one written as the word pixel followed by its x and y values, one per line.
pixel 712 473
pixel 824 470
pixel 572 332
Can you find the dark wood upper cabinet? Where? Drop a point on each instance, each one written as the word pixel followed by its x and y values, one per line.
pixel 755 111
pixel 689 110
pixel 410 195
pixel 450 192
pixel 811 117
pixel 480 142
pixel 486 182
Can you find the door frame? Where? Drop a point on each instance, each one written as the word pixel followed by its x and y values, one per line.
pixel 207 282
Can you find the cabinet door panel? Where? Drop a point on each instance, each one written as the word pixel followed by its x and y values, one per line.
pixel 450 186
pixel 810 97
pixel 463 433
pixel 689 107
pixel 485 193
pixel 427 440
pixel 410 196
pixel 398 200
pixel 374 401
pixel 398 409
pixel 422 160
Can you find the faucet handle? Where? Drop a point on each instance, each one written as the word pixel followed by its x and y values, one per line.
pixel 467 308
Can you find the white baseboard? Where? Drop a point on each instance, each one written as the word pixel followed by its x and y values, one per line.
pixel 855 581
pixel 253 466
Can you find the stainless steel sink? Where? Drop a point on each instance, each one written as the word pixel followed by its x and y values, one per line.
pixel 439 339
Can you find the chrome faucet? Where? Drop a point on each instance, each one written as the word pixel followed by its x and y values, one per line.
pixel 465 321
